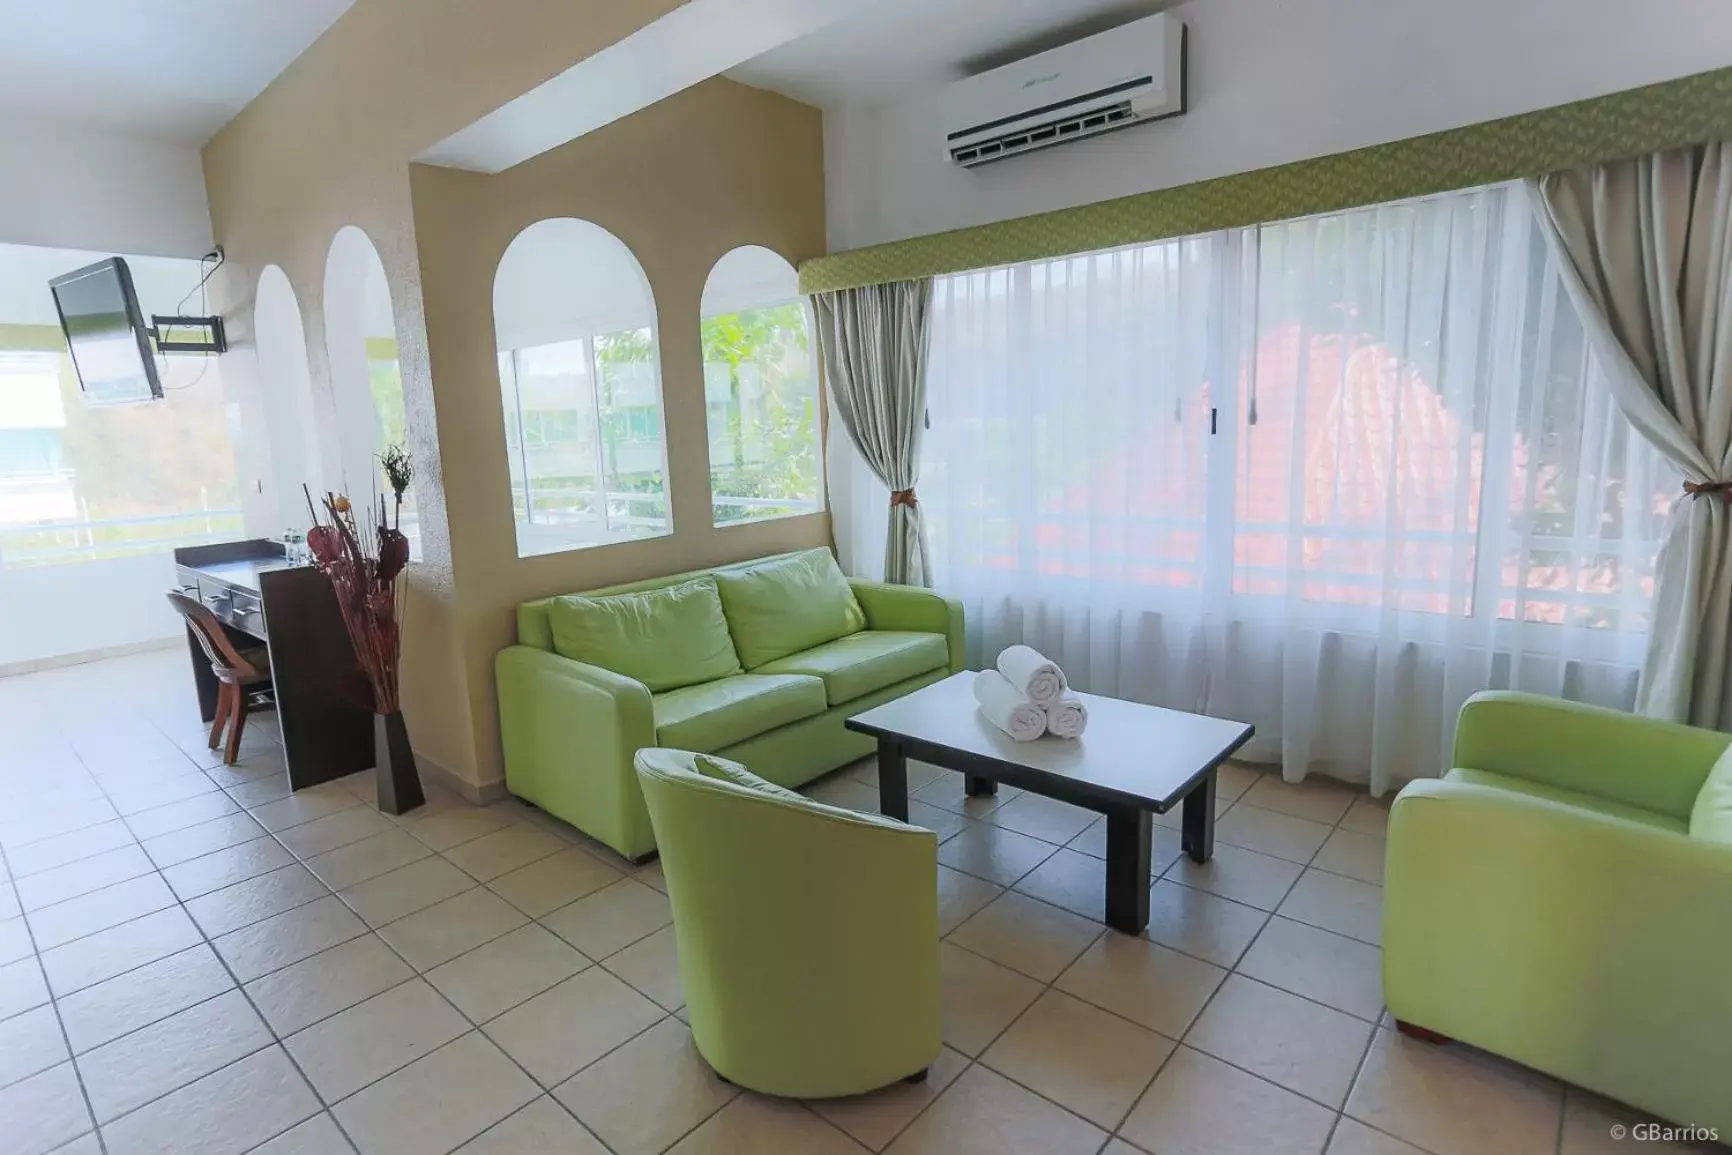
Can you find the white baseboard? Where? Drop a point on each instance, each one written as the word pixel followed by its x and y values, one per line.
pixel 484 794
pixel 56 661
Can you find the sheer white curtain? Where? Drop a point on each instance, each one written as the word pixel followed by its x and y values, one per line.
pixel 1328 476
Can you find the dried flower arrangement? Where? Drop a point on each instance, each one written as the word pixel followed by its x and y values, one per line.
pixel 364 561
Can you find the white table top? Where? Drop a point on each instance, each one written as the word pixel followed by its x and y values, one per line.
pixel 1141 753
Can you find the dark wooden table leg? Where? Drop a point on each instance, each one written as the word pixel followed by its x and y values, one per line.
pixel 1198 819
pixel 892 780
pixel 1128 870
pixel 977 787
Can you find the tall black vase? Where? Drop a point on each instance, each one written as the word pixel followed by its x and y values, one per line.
pixel 394 765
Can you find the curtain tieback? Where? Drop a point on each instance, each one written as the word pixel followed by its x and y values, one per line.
pixel 1708 489
pixel 903 497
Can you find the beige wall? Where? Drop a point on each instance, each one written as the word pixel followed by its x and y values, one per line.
pixel 329 143
pixel 681 183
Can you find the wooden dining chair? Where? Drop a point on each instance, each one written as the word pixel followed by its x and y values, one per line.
pixel 237 672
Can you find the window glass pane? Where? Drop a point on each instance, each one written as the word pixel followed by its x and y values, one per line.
pixel 1587 496
pixel 385 379
pixel 1360 416
pixel 80 483
pixel 1413 430
pixel 629 405
pixel 365 379
pixel 1070 417
pixel 580 387
pixel 760 391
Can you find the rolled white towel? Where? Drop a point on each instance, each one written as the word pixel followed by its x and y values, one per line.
pixel 1035 678
pixel 1004 707
pixel 1067 717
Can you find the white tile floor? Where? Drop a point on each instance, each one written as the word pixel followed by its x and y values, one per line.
pixel 194 961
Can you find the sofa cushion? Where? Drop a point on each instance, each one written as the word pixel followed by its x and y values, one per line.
pixel 665 638
pixel 1711 818
pixel 714 715
pixel 1576 798
pixel 787 604
pixel 854 666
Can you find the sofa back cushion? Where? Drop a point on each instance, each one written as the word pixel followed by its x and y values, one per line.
pixel 665 638
pixel 1711 818
pixel 783 605
pixel 535 617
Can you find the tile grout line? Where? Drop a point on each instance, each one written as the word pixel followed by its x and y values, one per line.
pixel 475 1027
pixel 1215 993
pixel 1051 987
pixel 1376 1025
pixel 483 883
pixel 1337 1113
pixel 99 781
pixel 66 1040
pixel 591 963
pixel 275 1039
pixel 1268 916
pixel 159 872
pixel 416 974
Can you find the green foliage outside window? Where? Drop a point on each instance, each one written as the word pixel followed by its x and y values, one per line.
pixel 767 448
pixel 763 448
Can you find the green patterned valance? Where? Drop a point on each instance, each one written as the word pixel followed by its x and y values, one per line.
pixel 1659 116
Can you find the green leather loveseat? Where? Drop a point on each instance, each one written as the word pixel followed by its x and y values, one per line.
pixel 1563 898
pixel 759 662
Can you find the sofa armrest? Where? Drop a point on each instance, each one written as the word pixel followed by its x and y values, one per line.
pixel 1644 762
pixel 1578 943
pixel 896 607
pixel 569 731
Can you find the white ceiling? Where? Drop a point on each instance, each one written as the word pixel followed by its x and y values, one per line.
pixel 824 52
pixel 174 69
pixel 690 44
pixel 891 46
pixel 181 69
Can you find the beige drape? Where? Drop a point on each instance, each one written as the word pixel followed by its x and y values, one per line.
pixel 1646 246
pixel 874 342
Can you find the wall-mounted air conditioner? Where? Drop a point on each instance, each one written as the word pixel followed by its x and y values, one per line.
pixel 1129 75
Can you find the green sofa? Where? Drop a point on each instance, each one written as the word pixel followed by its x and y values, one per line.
pixel 807 935
pixel 803 649
pixel 1563 897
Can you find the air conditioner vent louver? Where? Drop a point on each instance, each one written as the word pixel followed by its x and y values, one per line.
pixel 1128 75
pixel 1052 132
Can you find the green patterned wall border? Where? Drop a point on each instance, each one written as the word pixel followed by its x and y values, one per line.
pixel 1689 110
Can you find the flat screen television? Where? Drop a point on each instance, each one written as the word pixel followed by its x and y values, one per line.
pixel 106 333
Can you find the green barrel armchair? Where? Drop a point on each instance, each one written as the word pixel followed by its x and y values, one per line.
pixel 1563 898
pixel 807 934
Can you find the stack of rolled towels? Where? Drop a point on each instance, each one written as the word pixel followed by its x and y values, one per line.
pixel 1026 696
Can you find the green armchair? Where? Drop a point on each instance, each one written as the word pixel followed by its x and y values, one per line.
pixel 1563 898
pixel 807 935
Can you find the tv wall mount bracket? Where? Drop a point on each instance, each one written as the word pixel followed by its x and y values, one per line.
pixel 207 332
pixel 207 337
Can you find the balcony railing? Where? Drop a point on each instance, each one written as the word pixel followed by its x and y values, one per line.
pixel 630 509
pixel 58 543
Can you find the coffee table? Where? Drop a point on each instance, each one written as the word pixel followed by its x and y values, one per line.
pixel 1134 761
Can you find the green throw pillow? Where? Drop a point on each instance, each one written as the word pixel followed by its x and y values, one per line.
pixel 1711 818
pixel 788 604
pixel 665 638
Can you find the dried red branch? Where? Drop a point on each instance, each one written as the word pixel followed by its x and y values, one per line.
pixel 363 567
